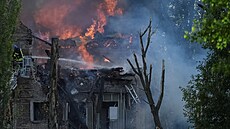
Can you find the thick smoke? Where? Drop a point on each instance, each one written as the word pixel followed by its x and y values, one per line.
pixel 170 17
pixel 80 12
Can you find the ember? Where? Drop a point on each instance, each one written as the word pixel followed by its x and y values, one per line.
pixel 106 59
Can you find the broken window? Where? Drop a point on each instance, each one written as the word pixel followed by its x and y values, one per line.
pixel 108 114
pixel 113 113
pixel 39 111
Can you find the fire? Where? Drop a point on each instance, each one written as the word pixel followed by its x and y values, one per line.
pixel 97 26
pixel 53 17
pixel 84 53
pixel 101 19
pixel 107 60
pixel 107 7
pixel 69 32
pixel 91 30
pixel 111 7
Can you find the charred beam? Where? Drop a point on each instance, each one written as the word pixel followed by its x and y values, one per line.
pixel 53 104
pixel 46 42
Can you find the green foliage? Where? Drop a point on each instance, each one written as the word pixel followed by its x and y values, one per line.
pixel 207 96
pixel 9 11
pixel 212 31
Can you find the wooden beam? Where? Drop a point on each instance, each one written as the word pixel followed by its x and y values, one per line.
pixel 53 96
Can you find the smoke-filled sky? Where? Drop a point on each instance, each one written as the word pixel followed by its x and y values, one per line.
pixel 170 17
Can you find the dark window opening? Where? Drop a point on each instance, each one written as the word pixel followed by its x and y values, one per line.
pixel 40 111
pixel 106 114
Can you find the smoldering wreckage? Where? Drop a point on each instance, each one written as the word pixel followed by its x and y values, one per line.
pixel 85 98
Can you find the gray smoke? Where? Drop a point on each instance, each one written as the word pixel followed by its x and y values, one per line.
pixel 171 18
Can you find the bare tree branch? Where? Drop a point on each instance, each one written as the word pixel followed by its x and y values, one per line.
pixel 150 74
pixel 141 42
pixel 139 71
pixel 133 68
pixel 147 28
pixel 137 64
pixel 149 36
pixel 145 70
pixel 146 77
pixel 162 86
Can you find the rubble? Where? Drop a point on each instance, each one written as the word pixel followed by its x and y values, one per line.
pixel 87 98
pixel 81 87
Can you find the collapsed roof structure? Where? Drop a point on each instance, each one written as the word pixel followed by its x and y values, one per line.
pixel 98 98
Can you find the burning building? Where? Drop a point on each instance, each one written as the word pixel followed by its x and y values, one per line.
pixel 92 93
pixel 83 28
pixel 97 98
pixel 100 34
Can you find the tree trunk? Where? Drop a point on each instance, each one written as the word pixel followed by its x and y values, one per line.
pixel 157 120
pixel 154 110
pixel 146 77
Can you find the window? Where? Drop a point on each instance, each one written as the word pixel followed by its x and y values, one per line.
pixel 113 113
pixel 39 111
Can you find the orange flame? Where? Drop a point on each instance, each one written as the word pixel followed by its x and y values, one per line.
pixel 53 17
pixel 101 19
pixel 107 7
pixel 84 53
pixel 91 30
pixel 106 60
pixel 112 8
pixel 69 32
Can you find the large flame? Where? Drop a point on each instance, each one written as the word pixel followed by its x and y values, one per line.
pixel 111 7
pixel 53 17
pixel 91 30
pixel 108 7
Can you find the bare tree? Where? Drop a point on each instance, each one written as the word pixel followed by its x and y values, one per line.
pixel 145 75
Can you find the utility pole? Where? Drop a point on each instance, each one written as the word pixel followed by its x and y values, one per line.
pixel 53 96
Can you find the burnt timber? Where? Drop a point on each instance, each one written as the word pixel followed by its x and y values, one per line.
pixel 87 98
